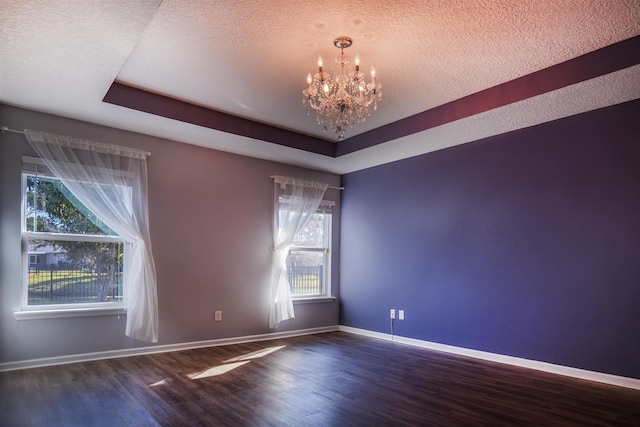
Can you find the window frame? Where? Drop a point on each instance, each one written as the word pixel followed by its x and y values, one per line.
pixel 28 311
pixel 327 252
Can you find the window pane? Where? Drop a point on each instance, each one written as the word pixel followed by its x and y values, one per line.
pixel 52 208
pixel 68 272
pixel 306 271
pixel 313 234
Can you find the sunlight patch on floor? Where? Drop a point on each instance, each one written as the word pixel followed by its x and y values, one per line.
pixel 233 363
pixel 255 354
pixel 217 370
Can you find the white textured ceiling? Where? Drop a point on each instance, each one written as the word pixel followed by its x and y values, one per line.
pixel 250 59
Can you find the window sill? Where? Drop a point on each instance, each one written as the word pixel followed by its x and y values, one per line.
pixel 68 312
pixel 313 300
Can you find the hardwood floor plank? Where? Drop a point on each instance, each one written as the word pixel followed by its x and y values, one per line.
pixel 331 379
pixel 13 399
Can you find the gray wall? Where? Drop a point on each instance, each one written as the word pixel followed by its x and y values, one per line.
pixel 211 224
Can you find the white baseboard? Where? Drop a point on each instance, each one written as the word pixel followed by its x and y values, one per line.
pixel 85 357
pixel 509 360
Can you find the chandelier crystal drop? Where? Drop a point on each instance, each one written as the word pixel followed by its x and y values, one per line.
pixel 341 101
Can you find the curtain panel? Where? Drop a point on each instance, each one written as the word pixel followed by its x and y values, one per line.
pixel 111 181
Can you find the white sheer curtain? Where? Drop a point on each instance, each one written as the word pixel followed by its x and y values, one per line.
pixel 112 182
pixel 295 202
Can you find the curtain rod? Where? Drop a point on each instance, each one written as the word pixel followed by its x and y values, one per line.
pixel 333 188
pixel 336 188
pixel 6 129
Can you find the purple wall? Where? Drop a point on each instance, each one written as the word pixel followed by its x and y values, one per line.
pixel 525 244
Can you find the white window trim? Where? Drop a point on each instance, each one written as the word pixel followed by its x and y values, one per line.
pixel 29 314
pixel 72 237
pixel 313 300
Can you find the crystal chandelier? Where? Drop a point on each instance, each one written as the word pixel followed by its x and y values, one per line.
pixel 341 101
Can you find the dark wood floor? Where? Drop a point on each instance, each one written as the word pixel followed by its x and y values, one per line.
pixel 333 379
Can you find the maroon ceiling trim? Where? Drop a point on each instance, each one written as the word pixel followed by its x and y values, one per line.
pixel 603 61
pixel 160 105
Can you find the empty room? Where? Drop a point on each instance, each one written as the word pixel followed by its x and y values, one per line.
pixel 359 213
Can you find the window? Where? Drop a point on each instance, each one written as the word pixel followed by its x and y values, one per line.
pixel 71 256
pixel 36 259
pixel 308 261
pixel 301 236
pixel 111 183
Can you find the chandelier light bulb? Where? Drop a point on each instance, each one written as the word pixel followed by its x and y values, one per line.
pixel 341 100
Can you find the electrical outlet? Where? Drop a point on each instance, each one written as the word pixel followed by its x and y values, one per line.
pixel 392 315
pixel 401 314
pixel 217 316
